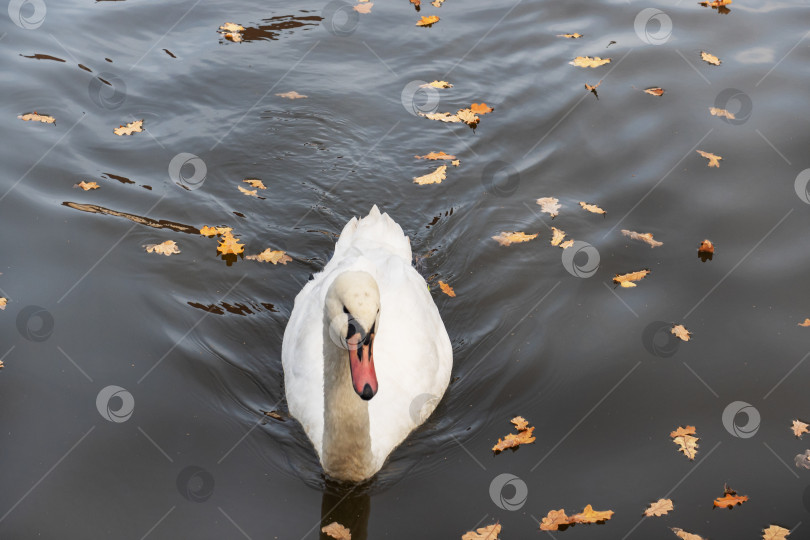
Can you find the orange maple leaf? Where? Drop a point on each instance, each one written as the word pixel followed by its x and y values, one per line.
pixel 554 519
pixel 428 20
pixel 447 289
pixel 230 245
pixel 512 440
pixel 706 247
pixel 589 515
pixel 729 499
pixel 799 428
pixel 481 108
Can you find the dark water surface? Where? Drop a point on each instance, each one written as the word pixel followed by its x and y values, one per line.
pixel 194 342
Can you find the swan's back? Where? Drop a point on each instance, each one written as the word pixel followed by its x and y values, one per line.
pixel 374 231
pixel 412 351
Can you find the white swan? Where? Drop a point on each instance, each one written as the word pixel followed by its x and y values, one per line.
pixel 366 356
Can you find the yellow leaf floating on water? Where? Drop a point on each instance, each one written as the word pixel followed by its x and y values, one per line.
pixel 799 428
pixel 428 20
pixel 447 289
pixel 468 117
pixel 255 182
pixel 364 7
pixel 36 117
pixel 268 255
pixel 292 95
pixel 730 499
pixel 249 192
pixel 774 532
pixel 589 515
pixel 714 161
pixel 554 519
pixel 721 112
pixel 549 205
pixel 455 162
pixel 169 247
pixel 593 88
pixel 575 35
pixel 715 3
pixel 557 518
pixel 644 237
pixel 232 31
pixel 490 532
pixel 214 231
pixel 3 304
pixel 685 438
pixel 630 278
pixel 567 244
pixel 436 155
pixel 87 185
pixel 520 423
pixel 481 108
pixel 556 236
pixel 442 117
pixel 512 440
pixel 681 332
pixel 683 535
pixel 129 129
pixel 587 61
pixel 437 84
pixel 337 531
pixel 231 27
pixel 806 323
pixel 437 3
pixel 710 58
pixel 508 237
pixel 592 208
pixel 655 91
pixel 659 508
pixel 229 245
pixel 435 177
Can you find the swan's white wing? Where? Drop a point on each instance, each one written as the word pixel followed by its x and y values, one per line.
pixel 302 358
pixel 413 358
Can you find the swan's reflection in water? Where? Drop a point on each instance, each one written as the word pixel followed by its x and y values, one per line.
pixel 349 505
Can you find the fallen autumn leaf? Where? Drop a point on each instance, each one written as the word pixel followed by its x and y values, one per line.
pixel 508 237
pixel 435 177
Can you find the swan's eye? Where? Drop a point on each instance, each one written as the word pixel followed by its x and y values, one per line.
pixel 352 331
pixel 345 310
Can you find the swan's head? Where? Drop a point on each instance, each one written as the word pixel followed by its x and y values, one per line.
pixel 353 311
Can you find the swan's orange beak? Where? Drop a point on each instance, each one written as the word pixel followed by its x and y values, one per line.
pixel 361 361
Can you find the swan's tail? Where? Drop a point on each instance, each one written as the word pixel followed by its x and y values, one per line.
pixel 377 230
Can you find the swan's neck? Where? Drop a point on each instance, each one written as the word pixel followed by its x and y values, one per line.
pixel 346 452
